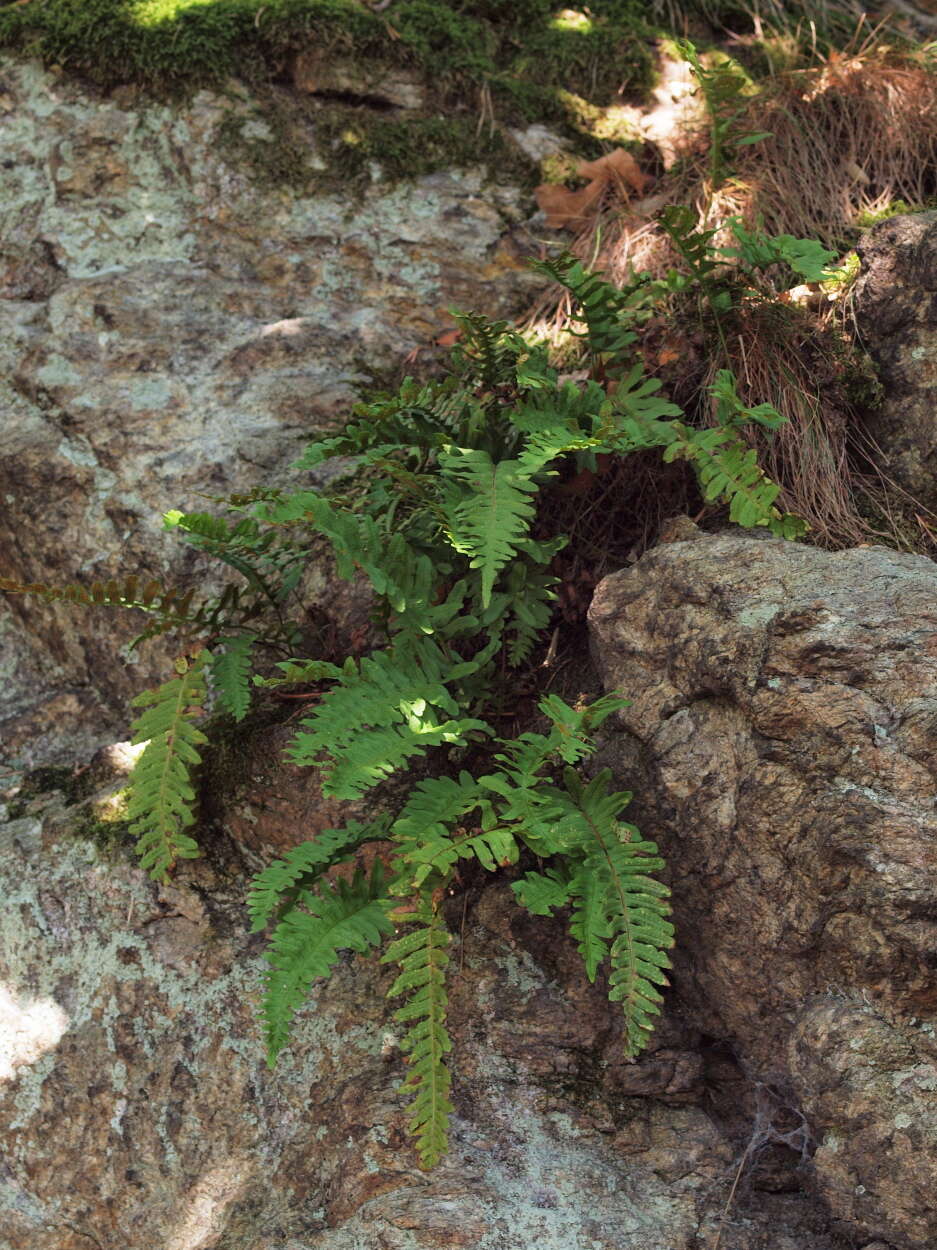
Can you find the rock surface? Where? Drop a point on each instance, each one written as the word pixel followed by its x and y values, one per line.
pixel 895 306
pixel 137 1113
pixel 782 743
pixel 170 329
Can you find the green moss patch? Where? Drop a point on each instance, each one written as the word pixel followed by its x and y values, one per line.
pixel 180 44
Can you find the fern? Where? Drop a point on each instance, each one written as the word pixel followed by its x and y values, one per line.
pixel 436 502
pixel 276 888
pixel 422 955
pixel 306 944
pixel 723 86
pixel 542 893
pixel 490 516
pixel 619 904
pixel 385 709
pixel 231 673
pixel 171 608
pixel 608 314
pixel 162 796
pixel 807 258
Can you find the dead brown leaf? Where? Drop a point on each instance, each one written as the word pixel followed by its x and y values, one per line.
pixel 618 165
pixel 572 209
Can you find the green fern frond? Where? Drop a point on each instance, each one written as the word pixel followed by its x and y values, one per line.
pixel 489 509
pixel 808 258
pixel 231 673
pixel 433 805
pixel 299 673
pixel 395 569
pixel 376 754
pixel 728 469
pixel 493 848
pixel 541 893
pixel 639 410
pixel 422 955
pixel 161 791
pixel 384 710
pixel 590 923
pixel 278 886
pixel 618 903
pixel 308 940
pixel 531 601
pixel 607 312
pixel 487 353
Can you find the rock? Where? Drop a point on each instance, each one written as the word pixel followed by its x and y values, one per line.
pixel 872 1084
pixel 137 1112
pixel 386 85
pixel 782 742
pixel 895 307
pixel 171 330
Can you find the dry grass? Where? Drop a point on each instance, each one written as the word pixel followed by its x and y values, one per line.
pixel 850 135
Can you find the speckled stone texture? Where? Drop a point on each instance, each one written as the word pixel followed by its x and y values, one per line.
pixel 782 743
pixel 170 330
pixel 895 309
pixel 137 1114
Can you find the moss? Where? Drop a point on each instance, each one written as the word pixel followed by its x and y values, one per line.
pixel 896 208
pixel 103 822
pixel 532 60
pixel 182 44
pixel 358 142
pixel 356 145
pixel 72 784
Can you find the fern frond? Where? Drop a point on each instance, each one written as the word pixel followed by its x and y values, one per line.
pixel 299 673
pixel 376 754
pixel 608 312
pixel 488 351
pixel 808 258
pixel 434 804
pixel 174 607
pixel 395 569
pixel 384 710
pixel 422 955
pixel 161 802
pixel 530 604
pixel 590 923
pixel 278 886
pixel 231 673
pixel 618 902
pixel 489 509
pixel 541 893
pixel 306 944
pixel 728 469
pixel 493 848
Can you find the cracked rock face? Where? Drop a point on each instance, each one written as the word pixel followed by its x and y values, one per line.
pixel 895 307
pixel 137 1112
pixel 169 330
pixel 782 743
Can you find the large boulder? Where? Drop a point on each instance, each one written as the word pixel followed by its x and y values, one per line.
pixel 782 741
pixel 137 1113
pixel 170 329
pixel 895 306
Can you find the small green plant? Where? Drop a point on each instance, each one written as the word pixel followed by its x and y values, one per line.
pixel 437 503
pixel 724 86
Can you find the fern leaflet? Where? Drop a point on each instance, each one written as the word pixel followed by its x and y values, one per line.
pixel 618 902
pixel 489 517
pixel 423 957
pixel 161 792
pixel 231 673
pixel 278 886
pixel 305 945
